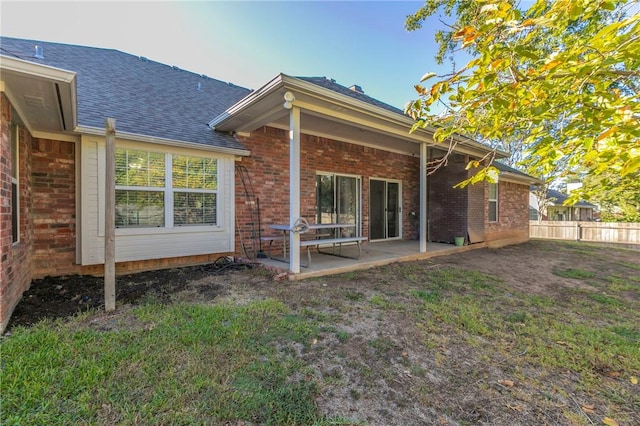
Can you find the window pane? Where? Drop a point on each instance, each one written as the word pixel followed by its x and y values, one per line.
pixel 139 208
pixel 121 167
pixel 14 151
pixel 493 191
pixel 139 168
pixel 211 174
pixel 493 211
pixel 325 199
pixel 15 207
pixel 179 169
pixel 156 169
pixel 193 208
pixel 14 212
pixel 194 172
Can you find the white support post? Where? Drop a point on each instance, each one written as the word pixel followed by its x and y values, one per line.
pixel 109 218
pixel 294 186
pixel 423 198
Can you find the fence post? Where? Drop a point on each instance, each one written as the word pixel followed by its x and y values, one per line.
pixel 578 231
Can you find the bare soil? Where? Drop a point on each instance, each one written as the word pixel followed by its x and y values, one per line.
pixel 398 381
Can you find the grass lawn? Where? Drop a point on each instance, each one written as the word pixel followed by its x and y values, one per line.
pixel 453 341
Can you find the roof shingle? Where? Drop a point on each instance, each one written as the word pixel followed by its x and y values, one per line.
pixel 145 97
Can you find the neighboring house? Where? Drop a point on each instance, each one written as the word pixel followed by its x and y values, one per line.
pixel 195 156
pixel 554 208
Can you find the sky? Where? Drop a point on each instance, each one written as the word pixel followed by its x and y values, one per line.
pixel 249 43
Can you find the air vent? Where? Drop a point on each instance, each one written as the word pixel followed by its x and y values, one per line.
pixel 34 101
pixel 39 52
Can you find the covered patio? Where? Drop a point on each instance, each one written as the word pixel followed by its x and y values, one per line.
pixel 350 160
pixel 373 255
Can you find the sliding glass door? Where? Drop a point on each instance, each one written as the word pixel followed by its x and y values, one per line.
pixel 384 209
pixel 338 201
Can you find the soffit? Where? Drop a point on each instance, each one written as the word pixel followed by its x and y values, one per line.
pixel 44 97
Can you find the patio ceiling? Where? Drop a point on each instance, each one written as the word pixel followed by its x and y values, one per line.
pixel 329 114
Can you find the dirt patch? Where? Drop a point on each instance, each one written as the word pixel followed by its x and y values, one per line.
pixel 63 297
pixel 377 363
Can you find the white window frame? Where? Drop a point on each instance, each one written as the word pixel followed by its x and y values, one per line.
pixel 15 180
pixel 175 189
pixel 168 190
pixel 494 201
pixel 162 189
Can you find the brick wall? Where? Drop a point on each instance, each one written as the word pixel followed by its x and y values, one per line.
pixel 16 265
pixel 268 173
pixel 448 208
pixel 54 207
pixel 513 214
pixel 476 209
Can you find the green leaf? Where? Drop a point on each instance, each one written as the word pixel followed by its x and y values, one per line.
pixel 631 166
pixel 559 82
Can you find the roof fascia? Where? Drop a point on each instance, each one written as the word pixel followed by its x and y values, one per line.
pixel 96 131
pixel 248 100
pixel 36 70
pixel 518 178
pixel 339 99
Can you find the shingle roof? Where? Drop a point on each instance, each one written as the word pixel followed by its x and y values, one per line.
pixel 332 85
pixel 504 168
pixel 145 97
pixel 558 198
pixel 508 169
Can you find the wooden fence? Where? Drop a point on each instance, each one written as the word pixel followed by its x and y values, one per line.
pixel 601 232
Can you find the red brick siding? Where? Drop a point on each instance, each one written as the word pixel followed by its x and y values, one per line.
pixel 513 213
pixel 450 209
pixel 16 265
pixel 476 207
pixel 54 207
pixel 268 170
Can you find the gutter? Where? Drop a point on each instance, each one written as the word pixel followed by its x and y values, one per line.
pixel 96 131
pixel 36 70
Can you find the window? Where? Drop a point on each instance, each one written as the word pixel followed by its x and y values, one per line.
pixel 195 190
pixel 15 186
pixel 140 185
pixel 157 189
pixel 493 202
pixel 533 214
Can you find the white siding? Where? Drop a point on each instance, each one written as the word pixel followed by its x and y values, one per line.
pixel 150 243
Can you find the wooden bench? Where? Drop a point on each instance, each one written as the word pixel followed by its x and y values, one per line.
pixel 334 242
